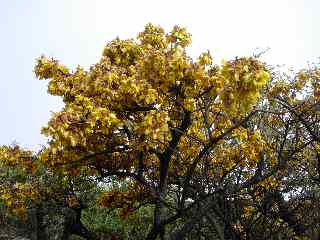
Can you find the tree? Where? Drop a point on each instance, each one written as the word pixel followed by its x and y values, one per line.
pixel 216 150
pixel 33 193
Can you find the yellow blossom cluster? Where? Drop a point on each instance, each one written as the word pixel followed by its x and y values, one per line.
pixel 133 101
pixel 18 197
pixel 123 199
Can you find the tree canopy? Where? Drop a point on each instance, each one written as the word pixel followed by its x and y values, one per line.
pixel 217 150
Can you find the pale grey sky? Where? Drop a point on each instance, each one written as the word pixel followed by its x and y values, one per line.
pixel 75 31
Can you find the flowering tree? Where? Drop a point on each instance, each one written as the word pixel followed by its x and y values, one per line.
pixel 209 146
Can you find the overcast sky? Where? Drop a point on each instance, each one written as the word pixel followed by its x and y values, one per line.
pixel 75 31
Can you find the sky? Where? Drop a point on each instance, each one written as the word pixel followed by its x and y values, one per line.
pixel 75 32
